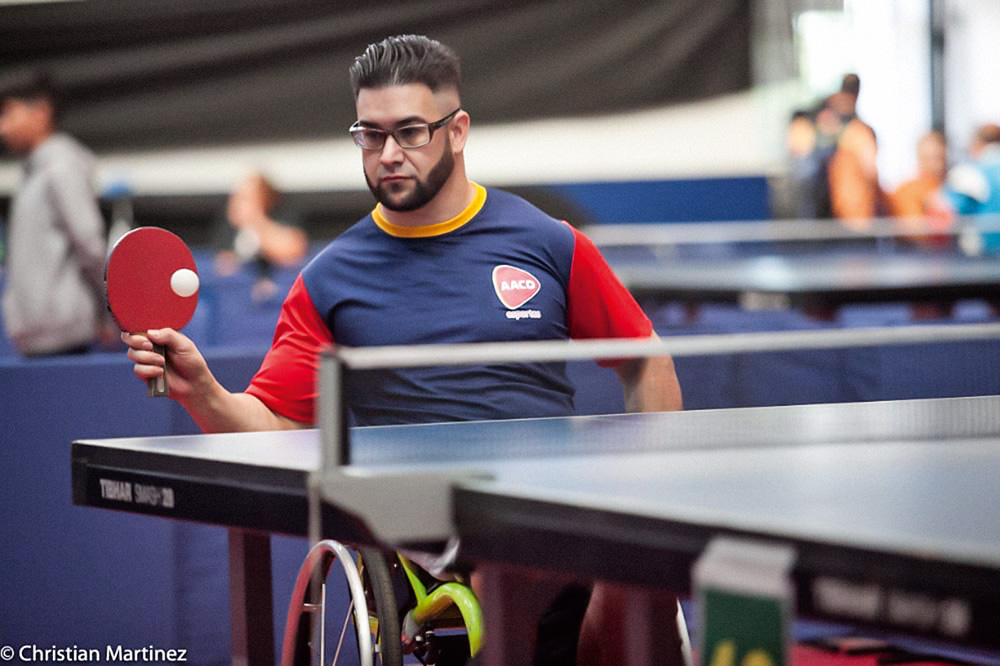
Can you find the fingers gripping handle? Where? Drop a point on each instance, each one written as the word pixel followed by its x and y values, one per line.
pixel 157 386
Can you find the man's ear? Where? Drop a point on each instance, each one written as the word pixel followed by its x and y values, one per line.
pixel 458 129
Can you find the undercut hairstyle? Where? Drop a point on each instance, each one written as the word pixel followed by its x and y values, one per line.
pixel 36 86
pixel 404 59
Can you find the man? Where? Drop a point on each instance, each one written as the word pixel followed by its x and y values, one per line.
pixel 855 194
pixel 53 299
pixel 440 259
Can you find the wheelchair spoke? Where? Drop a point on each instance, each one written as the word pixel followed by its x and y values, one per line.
pixel 343 630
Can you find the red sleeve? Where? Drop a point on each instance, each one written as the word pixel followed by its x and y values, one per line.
pixel 286 381
pixel 598 305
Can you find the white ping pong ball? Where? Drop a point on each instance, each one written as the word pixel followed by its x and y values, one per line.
pixel 184 282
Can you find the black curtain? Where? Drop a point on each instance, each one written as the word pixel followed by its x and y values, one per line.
pixel 156 73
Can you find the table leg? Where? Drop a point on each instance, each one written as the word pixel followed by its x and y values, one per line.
pixel 650 624
pixel 251 608
pixel 645 625
pixel 512 600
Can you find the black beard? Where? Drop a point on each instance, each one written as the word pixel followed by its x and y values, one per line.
pixel 423 191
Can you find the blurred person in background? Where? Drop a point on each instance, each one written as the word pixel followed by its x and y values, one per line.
pixel 53 300
pixel 913 201
pixel 810 142
pixel 973 188
pixel 832 160
pixel 259 230
pixel 855 195
pixel 913 198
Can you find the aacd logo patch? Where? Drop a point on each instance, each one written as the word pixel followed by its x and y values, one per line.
pixel 514 287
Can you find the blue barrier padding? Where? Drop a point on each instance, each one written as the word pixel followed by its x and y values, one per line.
pixel 74 575
pixel 88 577
pixel 835 375
pixel 229 312
pixel 680 200
pixel 202 588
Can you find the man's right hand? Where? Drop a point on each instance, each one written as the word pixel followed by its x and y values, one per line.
pixel 192 384
pixel 189 373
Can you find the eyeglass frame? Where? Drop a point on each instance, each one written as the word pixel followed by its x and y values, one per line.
pixel 432 127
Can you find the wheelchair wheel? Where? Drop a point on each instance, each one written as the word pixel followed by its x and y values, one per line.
pixel 383 611
pixel 366 633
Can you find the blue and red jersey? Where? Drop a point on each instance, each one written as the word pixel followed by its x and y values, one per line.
pixel 502 270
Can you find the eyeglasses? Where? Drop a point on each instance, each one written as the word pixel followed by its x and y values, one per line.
pixel 408 136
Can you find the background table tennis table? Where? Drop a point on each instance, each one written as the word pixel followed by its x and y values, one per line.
pixel 807 265
pixel 893 499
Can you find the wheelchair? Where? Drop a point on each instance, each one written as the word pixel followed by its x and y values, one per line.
pixel 394 609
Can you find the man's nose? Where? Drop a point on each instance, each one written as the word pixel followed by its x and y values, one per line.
pixel 391 152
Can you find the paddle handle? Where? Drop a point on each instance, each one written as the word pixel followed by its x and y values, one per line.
pixel 157 386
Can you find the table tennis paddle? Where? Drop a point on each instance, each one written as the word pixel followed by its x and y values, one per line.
pixel 151 282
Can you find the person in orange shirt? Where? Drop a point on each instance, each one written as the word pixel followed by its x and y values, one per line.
pixel 912 198
pixel 914 204
pixel 914 201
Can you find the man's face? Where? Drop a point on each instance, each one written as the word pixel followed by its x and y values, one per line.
pixel 406 179
pixel 24 123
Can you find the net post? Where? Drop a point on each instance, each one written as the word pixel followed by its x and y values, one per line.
pixel 331 411
pixel 334 436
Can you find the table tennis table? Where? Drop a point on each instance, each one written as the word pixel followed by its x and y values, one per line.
pixel 890 508
pixel 812 283
pixel 807 265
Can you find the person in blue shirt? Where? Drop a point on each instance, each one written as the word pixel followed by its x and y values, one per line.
pixel 973 188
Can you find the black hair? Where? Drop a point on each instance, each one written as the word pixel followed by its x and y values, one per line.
pixel 33 86
pixel 406 59
pixel 851 84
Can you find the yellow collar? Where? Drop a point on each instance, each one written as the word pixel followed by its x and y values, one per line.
pixel 436 229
